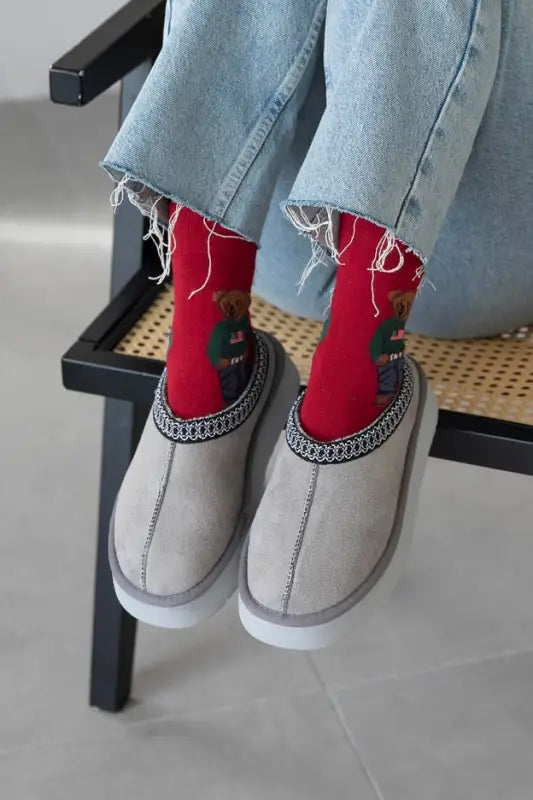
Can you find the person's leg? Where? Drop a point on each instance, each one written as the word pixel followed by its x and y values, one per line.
pixel 208 132
pixel 408 84
pixel 217 161
pixel 428 115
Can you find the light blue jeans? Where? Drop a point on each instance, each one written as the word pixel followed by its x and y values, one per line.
pixel 417 114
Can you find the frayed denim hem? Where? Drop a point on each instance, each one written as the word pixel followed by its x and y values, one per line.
pixel 323 225
pixel 320 223
pixel 153 203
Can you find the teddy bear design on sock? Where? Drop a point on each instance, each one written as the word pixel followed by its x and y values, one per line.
pixel 211 355
pixel 357 368
pixel 230 346
pixel 388 345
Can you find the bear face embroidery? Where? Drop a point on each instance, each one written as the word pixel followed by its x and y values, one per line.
pixel 233 304
pixel 402 302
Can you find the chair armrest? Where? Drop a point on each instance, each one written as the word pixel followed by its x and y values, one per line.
pixel 125 40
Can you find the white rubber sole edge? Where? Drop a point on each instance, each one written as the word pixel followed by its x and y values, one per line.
pixel 188 614
pixel 317 636
pixel 213 599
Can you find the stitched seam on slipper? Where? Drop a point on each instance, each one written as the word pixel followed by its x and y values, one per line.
pixel 155 514
pixel 285 597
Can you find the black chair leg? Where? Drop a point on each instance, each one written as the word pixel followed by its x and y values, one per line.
pixel 113 628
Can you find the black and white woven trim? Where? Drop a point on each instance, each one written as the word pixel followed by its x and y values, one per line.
pixel 202 429
pixel 352 447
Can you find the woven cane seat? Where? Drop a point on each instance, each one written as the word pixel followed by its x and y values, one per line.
pixel 486 377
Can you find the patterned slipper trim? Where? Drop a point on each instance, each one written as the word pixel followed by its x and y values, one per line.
pixel 203 429
pixel 341 450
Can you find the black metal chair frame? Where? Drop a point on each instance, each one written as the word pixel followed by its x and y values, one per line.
pixel 124 48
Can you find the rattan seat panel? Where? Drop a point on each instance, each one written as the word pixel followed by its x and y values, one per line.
pixel 487 377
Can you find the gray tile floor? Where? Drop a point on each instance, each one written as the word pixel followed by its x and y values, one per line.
pixel 432 700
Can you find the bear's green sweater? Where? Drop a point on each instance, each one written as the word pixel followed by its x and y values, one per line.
pixel 228 340
pixel 388 339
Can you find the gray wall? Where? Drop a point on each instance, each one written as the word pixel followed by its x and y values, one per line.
pixel 33 33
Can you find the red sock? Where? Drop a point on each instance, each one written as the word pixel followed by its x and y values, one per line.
pixel 355 368
pixel 211 354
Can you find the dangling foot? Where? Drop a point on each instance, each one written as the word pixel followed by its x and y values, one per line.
pixel 332 532
pixel 190 493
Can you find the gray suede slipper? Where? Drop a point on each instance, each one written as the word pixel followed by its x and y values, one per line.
pixel 190 493
pixel 333 529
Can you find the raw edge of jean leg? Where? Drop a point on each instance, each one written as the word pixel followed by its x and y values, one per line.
pixel 290 203
pixel 117 173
